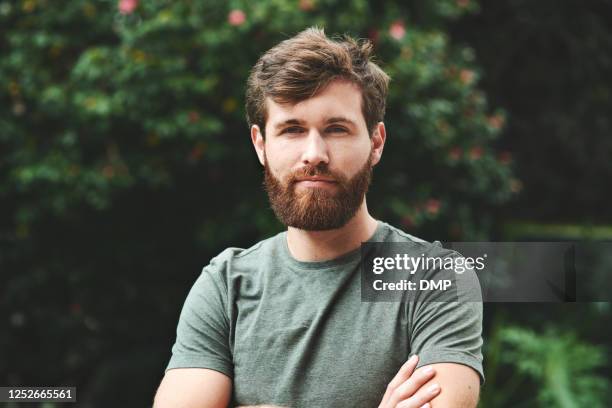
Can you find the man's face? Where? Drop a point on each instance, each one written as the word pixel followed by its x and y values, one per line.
pixel 318 158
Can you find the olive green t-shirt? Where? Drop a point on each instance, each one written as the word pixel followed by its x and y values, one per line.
pixel 297 334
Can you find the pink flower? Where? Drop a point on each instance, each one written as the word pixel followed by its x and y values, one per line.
pixel 496 121
pixel 516 185
pixel 467 76
pixel 127 6
pixel 397 30
pixel 236 17
pixel 306 5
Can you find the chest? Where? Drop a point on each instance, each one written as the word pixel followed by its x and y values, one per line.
pixel 315 344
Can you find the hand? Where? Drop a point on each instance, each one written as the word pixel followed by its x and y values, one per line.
pixel 405 389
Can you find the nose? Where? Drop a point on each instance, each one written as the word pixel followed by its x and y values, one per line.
pixel 316 150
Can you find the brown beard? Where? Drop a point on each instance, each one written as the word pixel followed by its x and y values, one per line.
pixel 317 209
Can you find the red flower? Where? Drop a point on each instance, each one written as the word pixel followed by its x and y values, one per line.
pixel 476 152
pixel 194 116
pixel 196 153
pixel 397 30
pixel 407 221
pixel 505 157
pixel 432 206
pixel 463 3
pixel 468 112
pixel 455 153
pixel 373 35
pixel 75 308
pixel 108 171
pixel 455 230
pixel 236 17
pixel 127 6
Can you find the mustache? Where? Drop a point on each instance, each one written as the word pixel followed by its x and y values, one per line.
pixel 312 171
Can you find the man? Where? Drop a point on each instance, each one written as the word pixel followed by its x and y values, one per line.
pixel 282 322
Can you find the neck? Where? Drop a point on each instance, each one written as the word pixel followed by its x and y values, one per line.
pixel 312 246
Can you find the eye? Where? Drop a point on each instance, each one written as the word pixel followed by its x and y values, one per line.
pixel 337 129
pixel 292 129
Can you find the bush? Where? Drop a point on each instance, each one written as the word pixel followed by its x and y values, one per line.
pixel 127 164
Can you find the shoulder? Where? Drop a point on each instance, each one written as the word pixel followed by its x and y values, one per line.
pixel 217 275
pixel 444 261
pixel 395 234
pixel 234 257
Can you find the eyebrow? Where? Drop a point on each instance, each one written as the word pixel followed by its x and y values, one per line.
pixel 334 119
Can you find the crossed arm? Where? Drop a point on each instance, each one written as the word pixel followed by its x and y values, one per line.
pixel 458 387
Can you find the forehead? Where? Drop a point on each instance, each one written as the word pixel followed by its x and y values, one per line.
pixel 338 99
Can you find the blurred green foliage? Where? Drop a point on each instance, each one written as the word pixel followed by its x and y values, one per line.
pixel 548 64
pixel 125 165
pixel 548 368
pixel 156 94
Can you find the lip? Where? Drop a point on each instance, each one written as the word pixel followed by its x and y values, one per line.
pixel 316 182
pixel 317 179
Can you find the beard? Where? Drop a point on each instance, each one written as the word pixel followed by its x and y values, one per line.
pixel 317 209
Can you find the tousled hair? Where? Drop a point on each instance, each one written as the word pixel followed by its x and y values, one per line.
pixel 299 67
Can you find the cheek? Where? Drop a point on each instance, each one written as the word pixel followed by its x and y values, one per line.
pixel 352 159
pixel 281 158
pixel 276 165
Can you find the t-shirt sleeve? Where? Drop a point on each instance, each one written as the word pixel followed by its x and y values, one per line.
pixel 202 334
pixel 450 331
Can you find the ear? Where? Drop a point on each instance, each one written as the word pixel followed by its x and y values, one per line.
pixel 258 143
pixel 378 142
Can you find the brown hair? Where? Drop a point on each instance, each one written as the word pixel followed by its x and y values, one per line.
pixel 297 68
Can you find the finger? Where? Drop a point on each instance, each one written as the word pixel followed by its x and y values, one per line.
pixel 422 397
pixel 402 375
pixel 404 372
pixel 411 386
